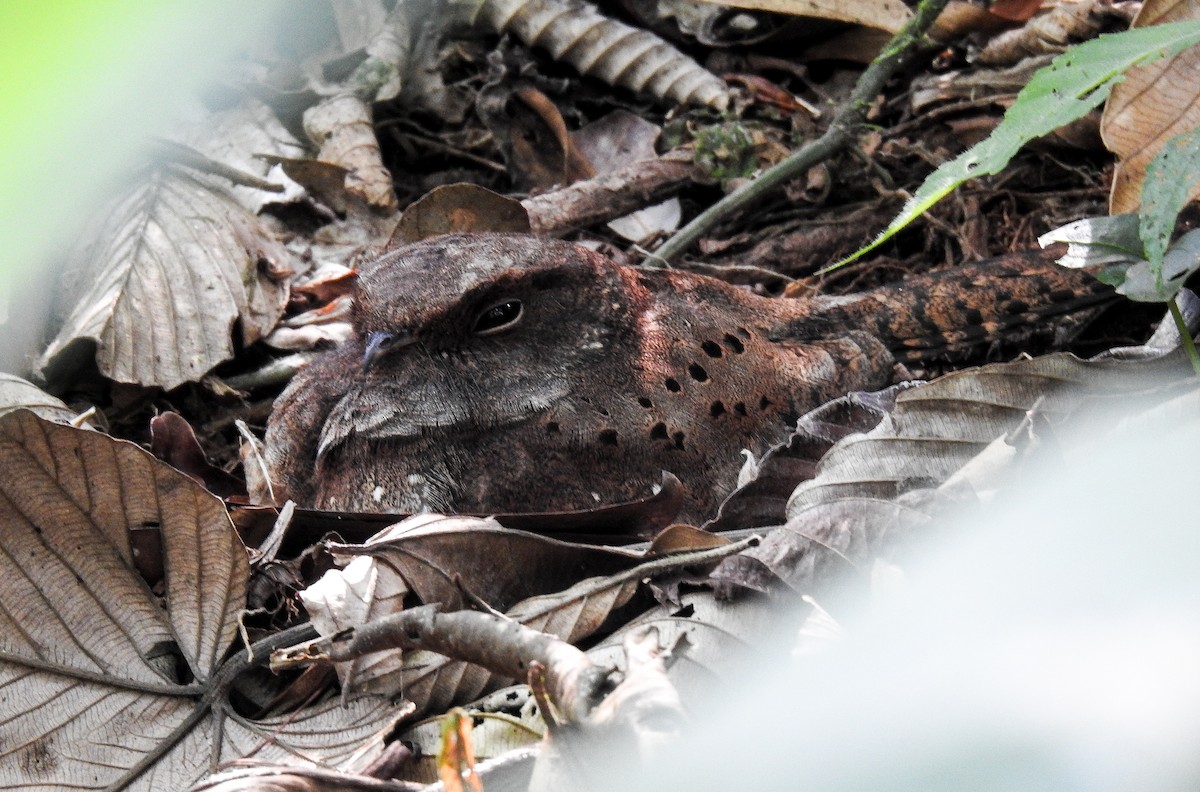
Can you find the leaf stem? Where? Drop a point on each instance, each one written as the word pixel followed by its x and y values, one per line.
pixel 1188 344
pixel 899 51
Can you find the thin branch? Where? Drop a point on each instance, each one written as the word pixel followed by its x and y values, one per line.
pixel 898 53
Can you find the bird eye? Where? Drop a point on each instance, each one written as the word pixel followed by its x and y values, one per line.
pixel 499 317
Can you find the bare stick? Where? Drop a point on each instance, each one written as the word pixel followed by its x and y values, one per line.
pixel 902 48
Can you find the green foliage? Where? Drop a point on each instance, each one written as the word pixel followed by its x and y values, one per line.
pixel 1074 83
pixel 1169 180
pixel 1132 250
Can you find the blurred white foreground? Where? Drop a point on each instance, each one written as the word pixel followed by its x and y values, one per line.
pixel 1055 646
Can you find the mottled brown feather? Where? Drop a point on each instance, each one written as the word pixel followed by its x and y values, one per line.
pixel 611 376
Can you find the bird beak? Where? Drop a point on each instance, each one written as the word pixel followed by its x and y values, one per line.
pixel 380 342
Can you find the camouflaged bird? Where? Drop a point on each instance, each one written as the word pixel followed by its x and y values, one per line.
pixel 509 373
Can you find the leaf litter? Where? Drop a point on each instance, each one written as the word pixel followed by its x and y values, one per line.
pixel 868 491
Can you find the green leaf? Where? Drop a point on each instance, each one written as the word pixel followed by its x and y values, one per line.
pixel 1074 83
pixel 1170 177
pixel 1150 282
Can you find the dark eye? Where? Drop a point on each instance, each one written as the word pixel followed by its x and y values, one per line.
pixel 500 316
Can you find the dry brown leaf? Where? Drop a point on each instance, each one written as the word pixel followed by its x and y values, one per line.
pixel 441 557
pixel 89 653
pixel 436 559
pixel 532 135
pixel 17 394
pixel 173 440
pixel 888 15
pixel 169 270
pixel 618 140
pixel 1153 104
pixel 324 181
pixel 937 428
pixel 454 208
pixel 761 499
pixel 822 547
pixel 1050 32
pixel 712 639
pixel 99 671
pixel 341 128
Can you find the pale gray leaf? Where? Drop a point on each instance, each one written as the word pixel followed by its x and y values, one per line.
pixel 170 269
pixel 16 394
pixel 937 428
pixel 244 137
pixel 1096 241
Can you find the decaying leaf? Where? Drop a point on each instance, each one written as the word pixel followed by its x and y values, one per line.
pixel 532 135
pixel 173 440
pixel 104 676
pixel 17 394
pixel 936 428
pixel 616 141
pixel 341 127
pixel 1153 104
pixel 455 208
pixel 761 499
pixel 85 641
pixel 172 266
pixel 1050 32
pixel 711 638
pixel 436 559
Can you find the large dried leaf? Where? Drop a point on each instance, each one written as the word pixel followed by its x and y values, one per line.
pixel 437 559
pixel 87 652
pixel 100 672
pixel 1155 103
pixel 341 127
pixel 935 429
pixel 765 485
pixel 174 264
pixel 459 208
